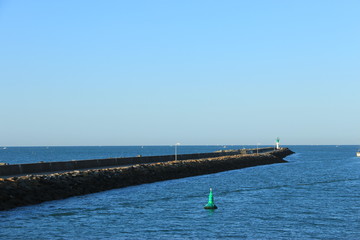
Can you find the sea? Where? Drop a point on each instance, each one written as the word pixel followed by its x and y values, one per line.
pixel 315 195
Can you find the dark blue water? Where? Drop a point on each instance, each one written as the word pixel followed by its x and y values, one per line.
pixel 316 195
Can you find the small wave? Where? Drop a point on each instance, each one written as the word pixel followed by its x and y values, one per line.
pixel 250 189
pixel 62 214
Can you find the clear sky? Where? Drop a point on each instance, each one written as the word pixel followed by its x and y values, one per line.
pixel 192 71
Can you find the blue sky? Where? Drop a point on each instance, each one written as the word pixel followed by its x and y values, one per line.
pixel 194 72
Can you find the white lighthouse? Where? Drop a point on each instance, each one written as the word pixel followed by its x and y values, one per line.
pixel 278 143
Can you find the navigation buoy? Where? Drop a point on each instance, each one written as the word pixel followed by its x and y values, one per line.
pixel 210 204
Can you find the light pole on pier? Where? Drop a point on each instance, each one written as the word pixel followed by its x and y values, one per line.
pixel 257 148
pixel 176 150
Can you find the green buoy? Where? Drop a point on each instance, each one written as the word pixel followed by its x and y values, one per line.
pixel 210 204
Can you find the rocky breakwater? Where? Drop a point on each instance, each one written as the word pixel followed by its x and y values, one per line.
pixel 33 189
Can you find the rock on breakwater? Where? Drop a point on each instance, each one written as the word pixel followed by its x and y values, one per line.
pixel 33 189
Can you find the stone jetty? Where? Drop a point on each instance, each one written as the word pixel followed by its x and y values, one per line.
pixel 33 189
